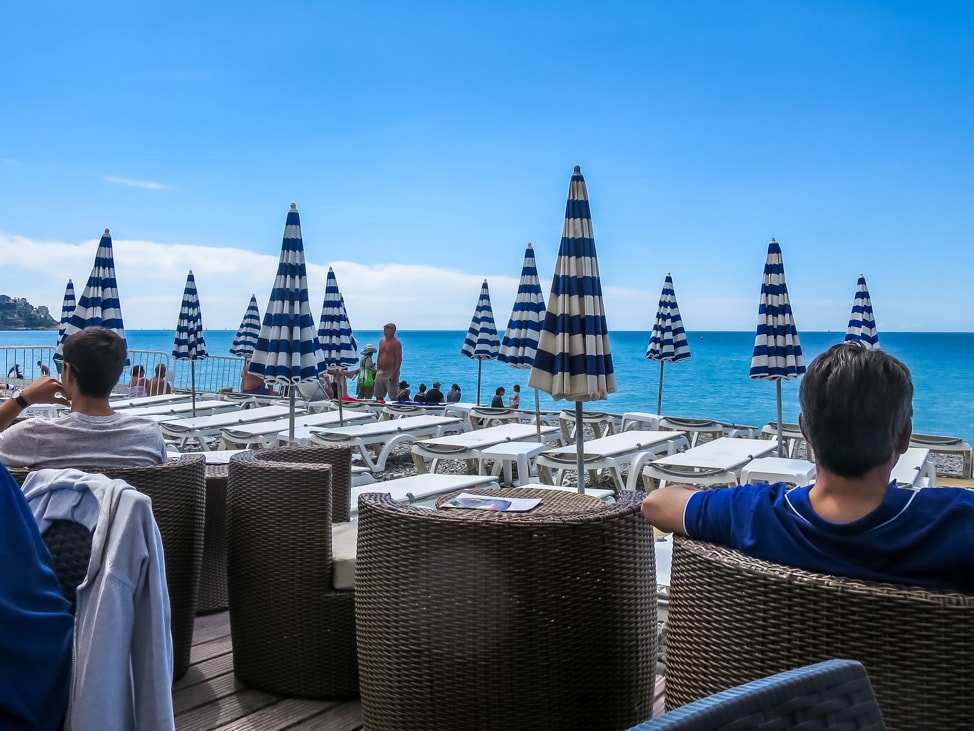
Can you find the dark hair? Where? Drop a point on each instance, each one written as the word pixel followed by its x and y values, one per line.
pixel 855 404
pixel 160 369
pixel 499 391
pixel 137 370
pixel 97 356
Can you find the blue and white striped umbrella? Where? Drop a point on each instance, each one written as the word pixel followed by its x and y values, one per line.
pixel 520 343
pixel 99 304
pixel 189 343
pixel 668 343
pixel 862 322
pixel 67 309
pixel 481 342
pixel 338 345
pixel 777 350
pixel 574 360
pixel 288 351
pixel 246 339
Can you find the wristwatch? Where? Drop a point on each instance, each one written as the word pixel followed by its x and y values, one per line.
pixel 19 398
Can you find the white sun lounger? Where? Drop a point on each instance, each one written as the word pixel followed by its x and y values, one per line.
pixel 418 488
pixel 947 445
pixel 163 398
pixel 398 411
pixel 610 453
pixel 717 462
pixel 696 427
pixel 180 408
pixel 914 468
pixel 602 424
pixel 469 444
pixel 202 427
pixel 265 433
pixel 376 441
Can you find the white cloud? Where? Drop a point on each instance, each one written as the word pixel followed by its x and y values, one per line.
pixel 148 184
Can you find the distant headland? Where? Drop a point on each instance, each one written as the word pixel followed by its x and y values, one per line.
pixel 16 313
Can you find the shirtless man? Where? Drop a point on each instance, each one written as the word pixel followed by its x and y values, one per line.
pixel 388 364
pixel 158 385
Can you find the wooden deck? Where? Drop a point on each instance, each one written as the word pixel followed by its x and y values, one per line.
pixel 208 696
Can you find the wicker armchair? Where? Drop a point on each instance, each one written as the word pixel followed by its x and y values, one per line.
pixel 292 633
pixel 734 619
pixel 178 493
pixel 827 695
pixel 340 459
pixel 474 619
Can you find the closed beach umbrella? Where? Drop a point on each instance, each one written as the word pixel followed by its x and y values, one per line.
pixel 190 344
pixel 288 351
pixel 246 339
pixel 338 346
pixel 668 343
pixel 67 309
pixel 99 305
pixel 862 323
pixel 574 361
pixel 520 343
pixel 481 342
pixel 777 351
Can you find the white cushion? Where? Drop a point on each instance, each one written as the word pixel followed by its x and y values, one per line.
pixel 344 541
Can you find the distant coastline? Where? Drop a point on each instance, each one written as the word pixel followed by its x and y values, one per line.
pixel 16 313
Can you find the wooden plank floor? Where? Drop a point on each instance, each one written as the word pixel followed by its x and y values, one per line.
pixel 209 697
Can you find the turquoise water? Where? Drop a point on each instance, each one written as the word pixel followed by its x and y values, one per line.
pixel 713 383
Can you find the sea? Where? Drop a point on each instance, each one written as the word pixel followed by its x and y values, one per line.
pixel 713 383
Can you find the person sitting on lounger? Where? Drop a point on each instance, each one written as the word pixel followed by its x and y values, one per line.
pixel 158 385
pixel 254 384
pixel 857 409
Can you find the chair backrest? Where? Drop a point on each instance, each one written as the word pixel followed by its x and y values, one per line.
pixel 827 695
pixel 481 417
pixel 70 546
pixel 340 460
pixel 733 619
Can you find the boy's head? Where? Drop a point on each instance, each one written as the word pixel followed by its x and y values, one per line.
pixel 96 357
pixel 856 405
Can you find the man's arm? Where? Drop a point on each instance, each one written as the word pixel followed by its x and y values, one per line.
pixel 664 508
pixel 44 390
pixel 397 353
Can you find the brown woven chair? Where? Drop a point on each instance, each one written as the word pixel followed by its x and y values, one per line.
pixel 340 459
pixel 178 493
pixel 734 619
pixel 292 633
pixel 474 619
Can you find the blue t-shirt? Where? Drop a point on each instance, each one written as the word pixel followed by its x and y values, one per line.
pixel 919 537
pixel 36 625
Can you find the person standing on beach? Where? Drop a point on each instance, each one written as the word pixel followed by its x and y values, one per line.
pixel 857 415
pixel 158 385
pixel 45 371
pixel 515 401
pixel 389 363
pixel 366 374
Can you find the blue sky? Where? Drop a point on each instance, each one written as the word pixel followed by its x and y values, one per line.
pixel 426 143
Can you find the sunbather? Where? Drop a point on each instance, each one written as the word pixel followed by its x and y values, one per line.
pixel 857 415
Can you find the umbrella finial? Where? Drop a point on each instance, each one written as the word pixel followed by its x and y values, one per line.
pixel 772 241
pixel 578 170
pixel 294 207
pixel 106 232
pixel 529 244
pixel 330 269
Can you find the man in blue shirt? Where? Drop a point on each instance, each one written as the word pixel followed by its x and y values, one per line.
pixel 857 409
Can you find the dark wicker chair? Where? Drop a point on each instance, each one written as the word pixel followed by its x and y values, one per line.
pixel 292 633
pixel 340 459
pixel 178 493
pixel 734 619
pixel 474 619
pixel 829 695
pixel 69 544
pixel 213 575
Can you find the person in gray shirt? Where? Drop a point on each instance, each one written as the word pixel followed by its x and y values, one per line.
pixel 92 434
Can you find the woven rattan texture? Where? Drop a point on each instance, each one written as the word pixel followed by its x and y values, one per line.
pixel 213 576
pixel 70 546
pixel 178 493
pixel 834 695
pixel 292 633
pixel 733 619
pixel 475 619
pixel 340 459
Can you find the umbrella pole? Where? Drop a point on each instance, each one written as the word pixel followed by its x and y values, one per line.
pixel 340 388
pixel 192 377
pixel 659 396
pixel 290 421
pixel 579 447
pixel 537 412
pixel 781 452
pixel 480 364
